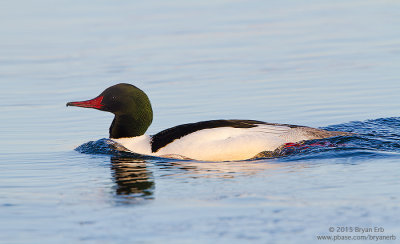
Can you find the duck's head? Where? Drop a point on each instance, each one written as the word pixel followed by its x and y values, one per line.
pixel 129 104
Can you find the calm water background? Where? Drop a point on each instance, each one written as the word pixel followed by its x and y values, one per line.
pixel 315 63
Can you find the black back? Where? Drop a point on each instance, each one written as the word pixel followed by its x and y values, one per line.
pixel 167 136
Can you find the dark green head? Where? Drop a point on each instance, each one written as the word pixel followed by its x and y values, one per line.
pixel 131 106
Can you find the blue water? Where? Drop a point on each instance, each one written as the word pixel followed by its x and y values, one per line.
pixel 332 65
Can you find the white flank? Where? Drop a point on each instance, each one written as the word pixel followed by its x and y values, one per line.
pixel 221 144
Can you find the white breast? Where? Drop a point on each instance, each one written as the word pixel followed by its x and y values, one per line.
pixel 139 144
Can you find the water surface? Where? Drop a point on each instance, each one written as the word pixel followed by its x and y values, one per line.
pixel 324 64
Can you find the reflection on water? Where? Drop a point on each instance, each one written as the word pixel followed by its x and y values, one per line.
pixel 197 169
pixel 132 178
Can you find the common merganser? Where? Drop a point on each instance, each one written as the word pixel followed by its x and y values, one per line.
pixel 213 140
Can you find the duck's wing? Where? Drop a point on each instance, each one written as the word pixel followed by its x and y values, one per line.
pixel 314 133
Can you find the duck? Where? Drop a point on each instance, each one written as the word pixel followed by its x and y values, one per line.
pixel 211 140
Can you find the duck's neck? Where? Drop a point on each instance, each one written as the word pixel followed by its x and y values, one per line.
pixel 128 126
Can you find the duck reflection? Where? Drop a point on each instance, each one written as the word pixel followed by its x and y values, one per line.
pixel 135 181
pixel 132 177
